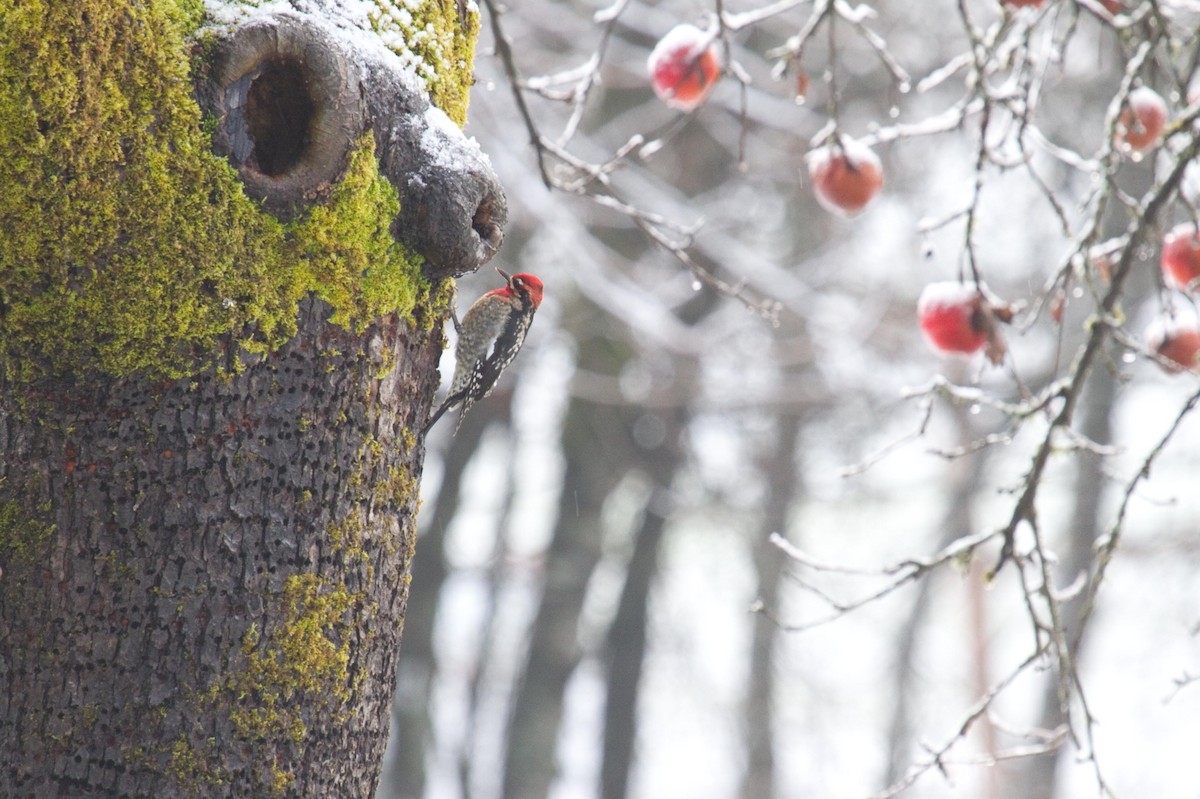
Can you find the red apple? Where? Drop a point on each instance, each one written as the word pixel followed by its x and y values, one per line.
pixel 845 175
pixel 1181 257
pixel 1177 341
pixel 684 67
pixel 953 318
pixel 1142 120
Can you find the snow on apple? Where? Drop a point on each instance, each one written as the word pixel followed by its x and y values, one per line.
pixel 846 175
pixel 960 318
pixel 1176 340
pixel 1142 121
pixel 1181 257
pixel 684 67
pixel 951 317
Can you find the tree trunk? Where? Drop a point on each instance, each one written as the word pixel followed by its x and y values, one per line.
pixel 595 440
pixel 210 408
pixel 216 575
pixel 1039 777
pixel 758 713
pixel 962 482
pixel 627 634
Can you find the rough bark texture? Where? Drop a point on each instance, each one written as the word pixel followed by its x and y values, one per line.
pixel 209 417
pixel 217 606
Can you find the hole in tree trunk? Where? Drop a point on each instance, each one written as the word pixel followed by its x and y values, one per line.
pixel 279 114
pixel 289 109
pixel 490 233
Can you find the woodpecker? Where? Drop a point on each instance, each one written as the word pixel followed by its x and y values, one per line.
pixel 489 337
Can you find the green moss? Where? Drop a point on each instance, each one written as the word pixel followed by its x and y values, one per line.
pixel 345 251
pixel 303 662
pixel 88 716
pixel 436 310
pixel 127 239
pixel 347 538
pixel 398 488
pixel 128 246
pixel 281 779
pixel 190 766
pixel 296 673
pixel 25 529
pixel 437 44
pixel 191 13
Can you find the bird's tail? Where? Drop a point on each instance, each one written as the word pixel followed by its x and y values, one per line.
pixel 450 401
pixel 445 406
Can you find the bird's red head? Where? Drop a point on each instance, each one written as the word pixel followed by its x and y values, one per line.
pixel 525 284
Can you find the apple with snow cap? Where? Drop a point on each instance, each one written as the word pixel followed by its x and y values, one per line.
pixel 960 318
pixel 684 67
pixel 1176 340
pixel 1180 258
pixel 1142 121
pixel 846 175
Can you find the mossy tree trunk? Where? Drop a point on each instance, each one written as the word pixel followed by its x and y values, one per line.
pixel 210 403
pixel 214 599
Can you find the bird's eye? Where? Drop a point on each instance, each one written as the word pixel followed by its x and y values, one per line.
pixel 518 282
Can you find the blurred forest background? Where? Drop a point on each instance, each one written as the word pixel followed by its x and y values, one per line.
pixel 598 607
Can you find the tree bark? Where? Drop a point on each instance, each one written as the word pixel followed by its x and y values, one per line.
pixel 222 573
pixel 210 409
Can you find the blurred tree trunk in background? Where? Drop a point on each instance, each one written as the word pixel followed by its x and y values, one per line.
pixel 597 446
pixel 626 645
pixel 1039 777
pixel 660 460
pixel 758 715
pixel 965 475
pixel 490 642
pixel 626 641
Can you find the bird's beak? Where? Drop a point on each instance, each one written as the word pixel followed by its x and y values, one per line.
pixel 507 277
